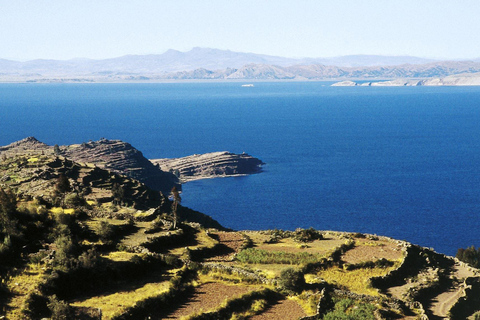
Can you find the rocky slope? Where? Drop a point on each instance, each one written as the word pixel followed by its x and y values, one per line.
pixel 113 155
pixel 123 158
pixel 32 169
pixel 210 165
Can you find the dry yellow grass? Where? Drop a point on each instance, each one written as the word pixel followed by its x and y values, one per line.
pixel 269 271
pixel 120 256
pixel 58 210
pixel 21 286
pixel 308 300
pixel 289 245
pixel 354 280
pixel 117 302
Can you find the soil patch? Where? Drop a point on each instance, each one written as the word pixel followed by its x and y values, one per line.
pixel 209 296
pixel 284 309
pixel 231 242
pixel 371 251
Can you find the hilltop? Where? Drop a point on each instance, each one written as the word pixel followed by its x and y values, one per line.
pixel 84 240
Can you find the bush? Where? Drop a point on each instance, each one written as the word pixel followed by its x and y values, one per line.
pixel 36 306
pixel 307 235
pixel 291 280
pixel 105 231
pixel 470 256
pixel 348 309
pixel 64 256
pixel 73 200
pixel 60 309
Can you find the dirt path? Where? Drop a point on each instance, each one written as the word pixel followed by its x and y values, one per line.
pixel 442 303
pixel 283 310
pixel 399 291
pixel 208 296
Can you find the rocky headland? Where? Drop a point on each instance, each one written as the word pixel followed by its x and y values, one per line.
pixel 210 165
pixel 159 174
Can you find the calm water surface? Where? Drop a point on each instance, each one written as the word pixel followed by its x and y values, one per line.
pixel 402 162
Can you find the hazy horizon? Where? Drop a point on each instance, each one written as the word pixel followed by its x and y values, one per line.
pixel 64 30
pixel 245 52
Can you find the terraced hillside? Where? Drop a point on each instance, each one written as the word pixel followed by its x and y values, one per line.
pixel 91 252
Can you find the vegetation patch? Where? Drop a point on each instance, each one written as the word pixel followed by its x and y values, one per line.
pixel 258 256
pixel 348 309
pixel 356 280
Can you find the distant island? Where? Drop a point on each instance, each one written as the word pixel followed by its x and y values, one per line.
pixel 86 233
pixel 225 65
pixel 454 80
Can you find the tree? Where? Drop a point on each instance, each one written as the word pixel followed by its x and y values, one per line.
pixel 56 149
pixel 470 256
pixel 175 196
pixel 8 207
pixel 62 187
pixel 118 193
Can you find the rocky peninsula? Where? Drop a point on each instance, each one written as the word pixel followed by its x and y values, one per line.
pixel 159 174
pixel 210 165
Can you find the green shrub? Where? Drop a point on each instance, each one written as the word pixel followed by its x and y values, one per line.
pixel 307 235
pixel 105 231
pixel 60 309
pixel 64 255
pixel 36 306
pixel 247 241
pixel 470 256
pixel 253 255
pixel 291 280
pixel 73 200
pixel 348 309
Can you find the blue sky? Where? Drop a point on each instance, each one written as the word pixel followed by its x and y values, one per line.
pixel 64 29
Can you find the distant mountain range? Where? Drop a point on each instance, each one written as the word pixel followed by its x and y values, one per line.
pixel 206 63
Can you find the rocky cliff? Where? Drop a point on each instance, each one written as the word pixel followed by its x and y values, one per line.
pixel 210 165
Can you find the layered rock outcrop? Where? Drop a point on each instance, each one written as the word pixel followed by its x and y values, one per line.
pixel 210 165
pixel 123 158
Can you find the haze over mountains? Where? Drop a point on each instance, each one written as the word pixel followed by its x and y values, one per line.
pixel 206 63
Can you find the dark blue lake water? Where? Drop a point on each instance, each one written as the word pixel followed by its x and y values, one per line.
pixel 401 162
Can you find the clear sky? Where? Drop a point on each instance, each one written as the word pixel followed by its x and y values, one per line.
pixel 64 29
